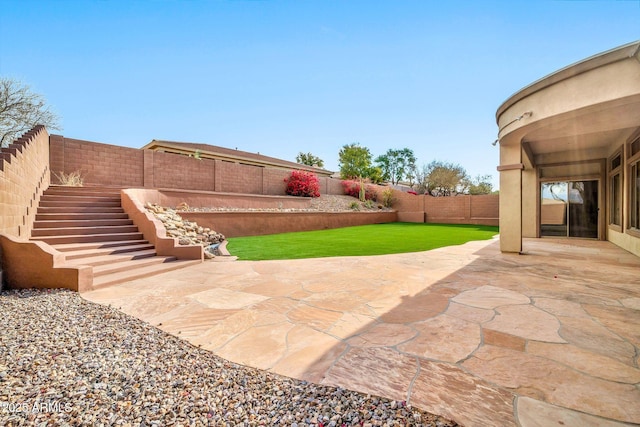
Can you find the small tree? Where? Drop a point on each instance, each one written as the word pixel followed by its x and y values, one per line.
pixel 21 110
pixel 481 184
pixel 355 161
pixel 444 179
pixel 303 184
pixel 397 165
pixel 309 160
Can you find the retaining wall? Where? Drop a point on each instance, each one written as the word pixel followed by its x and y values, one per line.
pixel 237 224
pixel 110 165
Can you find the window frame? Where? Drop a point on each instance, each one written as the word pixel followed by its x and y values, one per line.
pixel 633 161
pixel 614 172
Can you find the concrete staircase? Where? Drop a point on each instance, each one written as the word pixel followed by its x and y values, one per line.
pixel 90 227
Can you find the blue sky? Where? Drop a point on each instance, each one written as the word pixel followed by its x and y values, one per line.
pixel 279 77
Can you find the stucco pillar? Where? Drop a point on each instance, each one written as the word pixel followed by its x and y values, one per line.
pixel 510 198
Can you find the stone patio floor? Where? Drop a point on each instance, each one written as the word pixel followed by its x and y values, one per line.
pixel 551 337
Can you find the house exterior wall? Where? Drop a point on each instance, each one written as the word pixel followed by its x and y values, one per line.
pixel 565 127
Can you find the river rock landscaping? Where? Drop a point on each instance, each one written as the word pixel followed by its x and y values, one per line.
pixel 67 361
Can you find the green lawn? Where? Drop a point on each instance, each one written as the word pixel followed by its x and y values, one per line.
pixel 378 239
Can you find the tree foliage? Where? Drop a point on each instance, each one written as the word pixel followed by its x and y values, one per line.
pixel 481 184
pixel 397 165
pixel 443 179
pixel 21 110
pixel 309 160
pixel 354 161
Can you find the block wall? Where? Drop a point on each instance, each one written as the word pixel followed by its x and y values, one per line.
pixel 464 209
pixel 176 171
pixel 24 175
pixel 99 164
pixel 111 165
pixel 239 178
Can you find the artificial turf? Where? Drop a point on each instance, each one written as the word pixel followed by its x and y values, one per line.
pixel 377 239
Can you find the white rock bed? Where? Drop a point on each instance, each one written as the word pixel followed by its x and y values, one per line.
pixel 67 361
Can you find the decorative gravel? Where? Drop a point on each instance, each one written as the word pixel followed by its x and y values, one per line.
pixel 67 361
pixel 324 203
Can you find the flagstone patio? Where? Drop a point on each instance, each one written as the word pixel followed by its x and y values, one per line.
pixel 550 337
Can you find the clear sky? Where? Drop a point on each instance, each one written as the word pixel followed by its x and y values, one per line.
pixel 279 77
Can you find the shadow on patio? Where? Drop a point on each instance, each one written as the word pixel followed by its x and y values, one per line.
pixel 466 332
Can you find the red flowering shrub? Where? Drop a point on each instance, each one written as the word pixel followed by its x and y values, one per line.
pixel 304 184
pixel 352 188
pixel 412 192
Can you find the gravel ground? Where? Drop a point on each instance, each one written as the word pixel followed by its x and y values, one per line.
pixel 67 361
pixel 324 203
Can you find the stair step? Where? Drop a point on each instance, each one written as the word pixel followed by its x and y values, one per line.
pixel 86 253
pixel 127 265
pixel 57 189
pixel 90 238
pixel 79 216
pixel 81 223
pixel 139 273
pixel 91 246
pixel 99 259
pixel 109 203
pixel 75 231
pixel 78 198
pixel 79 209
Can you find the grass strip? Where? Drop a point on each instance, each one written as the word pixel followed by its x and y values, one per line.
pixel 376 239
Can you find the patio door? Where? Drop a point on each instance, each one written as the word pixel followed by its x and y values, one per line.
pixel 569 208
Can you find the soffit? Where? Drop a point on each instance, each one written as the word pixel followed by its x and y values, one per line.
pixel 592 129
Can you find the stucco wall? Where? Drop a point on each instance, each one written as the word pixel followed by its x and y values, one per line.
pixel 625 241
pixel 564 126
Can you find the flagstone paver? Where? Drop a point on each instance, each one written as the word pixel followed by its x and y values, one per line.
pixel 550 337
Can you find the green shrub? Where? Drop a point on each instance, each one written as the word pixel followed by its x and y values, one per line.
pixel 354 206
pixel 387 198
pixel 369 204
pixel 353 188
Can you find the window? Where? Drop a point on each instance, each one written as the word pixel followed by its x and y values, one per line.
pixel 634 185
pixel 615 190
pixel 635 196
pixel 615 214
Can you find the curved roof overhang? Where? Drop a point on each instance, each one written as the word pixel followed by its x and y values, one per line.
pixel 582 107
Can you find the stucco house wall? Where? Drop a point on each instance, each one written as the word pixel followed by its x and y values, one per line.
pixel 566 127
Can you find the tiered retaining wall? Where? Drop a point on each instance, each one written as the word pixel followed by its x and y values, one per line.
pixel 103 164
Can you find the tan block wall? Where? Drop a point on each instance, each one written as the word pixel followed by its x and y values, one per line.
pixel 129 167
pixel 99 164
pixel 176 171
pixel 110 165
pixel 239 178
pixel 24 175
